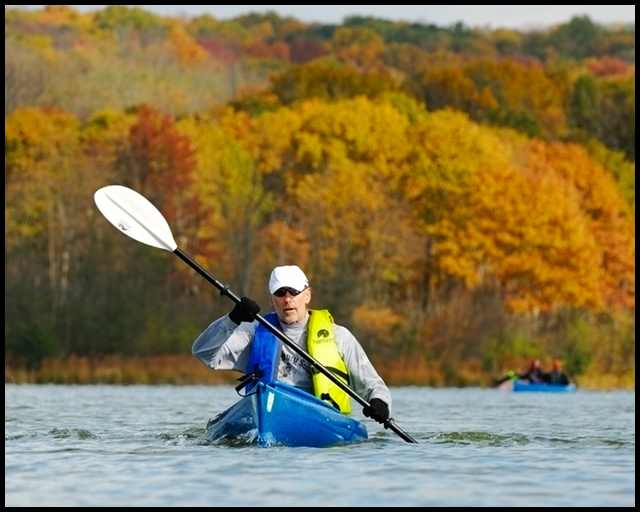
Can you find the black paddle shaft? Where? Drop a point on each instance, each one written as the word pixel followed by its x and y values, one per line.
pixel 226 291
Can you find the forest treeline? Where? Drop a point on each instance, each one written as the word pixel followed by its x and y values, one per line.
pixel 461 199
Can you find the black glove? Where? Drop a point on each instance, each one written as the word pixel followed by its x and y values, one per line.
pixel 245 311
pixel 377 410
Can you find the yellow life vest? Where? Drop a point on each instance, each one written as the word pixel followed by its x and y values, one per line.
pixel 321 343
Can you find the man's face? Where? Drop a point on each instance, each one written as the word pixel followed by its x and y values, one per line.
pixel 290 308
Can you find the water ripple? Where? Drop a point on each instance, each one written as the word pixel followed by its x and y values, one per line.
pixel 146 446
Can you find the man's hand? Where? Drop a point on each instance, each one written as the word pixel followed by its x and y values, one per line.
pixel 378 410
pixel 245 311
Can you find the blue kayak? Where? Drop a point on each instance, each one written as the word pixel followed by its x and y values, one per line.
pixel 279 414
pixel 523 386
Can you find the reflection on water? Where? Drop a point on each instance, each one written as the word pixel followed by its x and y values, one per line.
pixel 145 446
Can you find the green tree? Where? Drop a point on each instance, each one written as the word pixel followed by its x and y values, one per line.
pixel 584 106
pixel 618 115
pixel 576 38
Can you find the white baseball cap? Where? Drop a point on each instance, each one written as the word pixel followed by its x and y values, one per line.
pixel 290 276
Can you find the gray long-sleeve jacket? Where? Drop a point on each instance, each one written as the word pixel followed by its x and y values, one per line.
pixel 223 345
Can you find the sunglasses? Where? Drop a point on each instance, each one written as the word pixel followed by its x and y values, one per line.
pixel 281 292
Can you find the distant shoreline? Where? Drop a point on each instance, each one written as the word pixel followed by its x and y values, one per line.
pixel 182 370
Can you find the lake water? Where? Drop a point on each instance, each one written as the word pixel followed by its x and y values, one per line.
pixel 74 446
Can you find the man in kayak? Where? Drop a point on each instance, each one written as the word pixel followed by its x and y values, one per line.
pixel 238 342
pixel 557 375
pixel 534 374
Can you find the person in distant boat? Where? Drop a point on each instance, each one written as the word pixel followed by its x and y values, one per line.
pixel 534 374
pixel 237 341
pixel 509 377
pixel 557 376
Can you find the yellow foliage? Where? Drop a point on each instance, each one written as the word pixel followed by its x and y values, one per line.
pixel 494 206
pixel 40 146
pixel 44 46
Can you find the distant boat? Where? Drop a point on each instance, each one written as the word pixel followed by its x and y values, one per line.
pixel 521 386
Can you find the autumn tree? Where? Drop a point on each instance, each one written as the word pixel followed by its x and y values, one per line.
pixel 187 50
pixel 232 196
pixel 328 81
pixel 502 93
pixel 302 49
pixel 49 182
pixel 159 164
pixel 360 48
pixel 617 115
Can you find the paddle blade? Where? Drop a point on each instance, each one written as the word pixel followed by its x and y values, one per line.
pixel 135 216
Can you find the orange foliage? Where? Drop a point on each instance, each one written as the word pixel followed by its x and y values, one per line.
pixel 606 213
pixel 162 158
pixel 187 50
pixel 501 92
pixel 359 47
pixel 450 87
pixel 161 167
pixel 282 244
pixel 609 66
pixel 59 15
pixel 377 325
pixel 498 212
pixel 263 50
pixel 548 255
